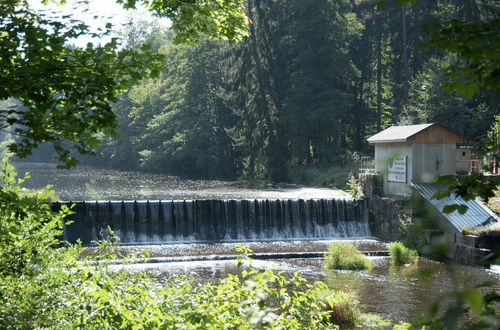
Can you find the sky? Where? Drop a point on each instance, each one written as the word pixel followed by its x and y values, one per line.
pixel 107 10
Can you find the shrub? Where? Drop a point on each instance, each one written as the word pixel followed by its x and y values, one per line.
pixel 343 255
pixel 355 188
pixel 401 255
pixel 343 310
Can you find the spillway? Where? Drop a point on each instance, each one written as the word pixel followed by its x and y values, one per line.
pixel 189 221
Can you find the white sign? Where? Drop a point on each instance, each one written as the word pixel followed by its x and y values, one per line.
pixel 396 171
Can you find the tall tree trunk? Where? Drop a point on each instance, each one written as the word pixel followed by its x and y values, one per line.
pixel 261 54
pixel 404 96
pixel 379 81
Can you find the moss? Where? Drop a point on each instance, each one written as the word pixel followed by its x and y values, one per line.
pixel 482 231
pixel 343 255
pixel 401 255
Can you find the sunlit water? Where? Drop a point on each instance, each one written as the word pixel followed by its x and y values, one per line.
pixel 396 293
pixel 88 183
pixel 399 294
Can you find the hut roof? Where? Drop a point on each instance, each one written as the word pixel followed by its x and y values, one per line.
pixel 409 133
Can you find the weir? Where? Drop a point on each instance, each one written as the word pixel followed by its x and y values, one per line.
pixel 185 221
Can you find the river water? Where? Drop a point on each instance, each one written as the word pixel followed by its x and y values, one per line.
pixel 399 294
pixel 89 183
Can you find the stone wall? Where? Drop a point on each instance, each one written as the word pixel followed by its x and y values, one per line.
pixel 470 249
pixel 387 216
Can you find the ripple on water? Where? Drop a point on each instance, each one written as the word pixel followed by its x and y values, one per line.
pixel 88 183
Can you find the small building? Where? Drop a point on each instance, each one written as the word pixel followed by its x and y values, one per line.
pixel 414 153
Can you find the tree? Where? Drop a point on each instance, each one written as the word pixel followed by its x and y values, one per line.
pixel 178 120
pixel 66 92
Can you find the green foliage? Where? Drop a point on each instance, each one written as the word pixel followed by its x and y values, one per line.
pixel 482 231
pixel 343 310
pixel 343 255
pixel 477 45
pixel 320 175
pixel 479 303
pixel 429 102
pixel 405 326
pixel 45 284
pixel 327 175
pixel 194 20
pixel 295 98
pixel 354 188
pixel 401 255
pixel 177 123
pixel 468 187
pixel 65 91
pixel 414 234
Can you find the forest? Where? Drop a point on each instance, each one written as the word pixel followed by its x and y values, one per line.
pixel 311 81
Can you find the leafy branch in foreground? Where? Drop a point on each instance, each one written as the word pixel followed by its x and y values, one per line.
pixel 468 187
pixel 191 20
pixel 66 91
pixel 474 185
pixel 478 46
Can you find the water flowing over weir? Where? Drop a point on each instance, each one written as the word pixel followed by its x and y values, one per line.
pixel 184 221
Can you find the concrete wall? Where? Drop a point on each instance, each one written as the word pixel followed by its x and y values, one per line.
pixel 424 162
pixel 383 153
pixel 431 160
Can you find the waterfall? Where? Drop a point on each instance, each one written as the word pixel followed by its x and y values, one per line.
pixel 183 221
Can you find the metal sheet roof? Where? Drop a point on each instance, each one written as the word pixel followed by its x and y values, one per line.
pixel 398 133
pixel 477 213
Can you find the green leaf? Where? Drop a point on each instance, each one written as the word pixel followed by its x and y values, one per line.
pixel 474 299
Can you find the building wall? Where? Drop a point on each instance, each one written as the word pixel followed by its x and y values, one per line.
pixel 462 158
pixel 431 160
pixel 435 134
pixel 384 152
pixel 423 163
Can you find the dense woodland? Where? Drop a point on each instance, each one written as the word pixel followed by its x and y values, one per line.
pixel 310 83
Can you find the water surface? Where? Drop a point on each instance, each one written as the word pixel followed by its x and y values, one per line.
pixel 397 293
pixel 89 183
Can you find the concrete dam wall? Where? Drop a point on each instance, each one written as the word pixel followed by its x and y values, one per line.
pixel 184 221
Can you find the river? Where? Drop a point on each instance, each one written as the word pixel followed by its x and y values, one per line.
pixel 89 183
pixel 399 294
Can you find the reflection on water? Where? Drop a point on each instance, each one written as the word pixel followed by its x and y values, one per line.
pixel 88 183
pixel 399 294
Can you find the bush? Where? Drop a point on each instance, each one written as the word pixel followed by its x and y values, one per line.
pixel 343 255
pixel 355 188
pixel 401 255
pixel 344 310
